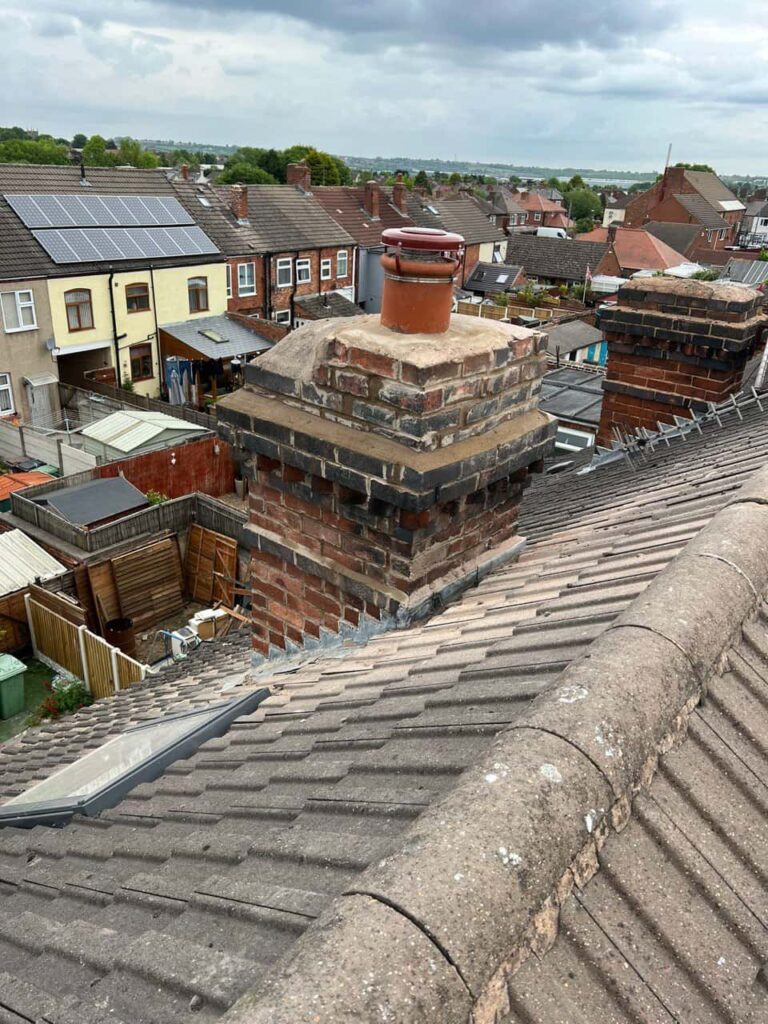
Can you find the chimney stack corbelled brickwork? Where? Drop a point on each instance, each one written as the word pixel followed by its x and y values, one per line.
pixel 385 468
pixel 299 175
pixel 673 346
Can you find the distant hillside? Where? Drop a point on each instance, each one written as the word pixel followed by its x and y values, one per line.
pixel 395 163
pixel 170 145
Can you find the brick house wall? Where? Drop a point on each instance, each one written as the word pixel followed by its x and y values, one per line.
pixel 279 298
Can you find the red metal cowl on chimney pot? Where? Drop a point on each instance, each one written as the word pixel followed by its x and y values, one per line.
pixel 419 269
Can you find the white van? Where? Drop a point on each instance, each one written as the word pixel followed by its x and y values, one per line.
pixel 551 232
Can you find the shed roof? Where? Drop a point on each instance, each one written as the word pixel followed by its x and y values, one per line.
pixel 193 890
pixel 573 394
pixel 10 482
pixel 129 429
pixel 100 499
pixel 572 335
pixel 218 337
pixel 753 273
pixel 22 562
pixel 322 307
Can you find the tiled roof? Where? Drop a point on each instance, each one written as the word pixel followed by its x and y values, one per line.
pixel 322 307
pixel 492 277
pixel 283 217
pixel 345 205
pixel 455 213
pixel 22 257
pixel 571 335
pixel 702 210
pixel 711 188
pixel 563 259
pixel 210 208
pixel 536 202
pixel 193 890
pixel 678 236
pixel 636 249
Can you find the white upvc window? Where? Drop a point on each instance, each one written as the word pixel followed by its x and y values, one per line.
pixel 284 272
pixel 303 271
pixel 325 270
pixel 342 263
pixel 18 311
pixel 6 395
pixel 229 281
pixel 283 316
pixel 722 234
pixel 537 216
pixel 246 279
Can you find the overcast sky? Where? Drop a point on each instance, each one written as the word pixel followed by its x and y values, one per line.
pixel 595 83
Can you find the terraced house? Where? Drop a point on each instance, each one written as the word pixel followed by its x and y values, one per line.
pixel 94 262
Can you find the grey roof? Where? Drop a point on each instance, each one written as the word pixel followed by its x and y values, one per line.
pixel 679 237
pixel 21 256
pixel 94 501
pixel 573 395
pixel 492 277
pixel 322 307
pixel 749 272
pixel 237 339
pixel 194 889
pixel 756 208
pixel 559 259
pixel 702 210
pixel 572 335
pixel 711 188
pixel 454 213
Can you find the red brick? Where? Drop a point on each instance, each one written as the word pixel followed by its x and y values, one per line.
pixel 373 362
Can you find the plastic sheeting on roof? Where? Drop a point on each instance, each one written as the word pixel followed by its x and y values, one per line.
pixel 22 561
pixel 130 429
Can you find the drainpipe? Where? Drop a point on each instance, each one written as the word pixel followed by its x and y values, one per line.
pixel 115 337
pixel 266 262
pixel 160 361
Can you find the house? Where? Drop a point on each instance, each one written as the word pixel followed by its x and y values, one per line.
pixel 555 260
pixel 280 243
pixel 687 239
pixel 544 802
pixel 543 212
pixel 93 261
pixel 614 207
pixel 632 249
pixel 503 209
pixel 753 230
pixel 690 197
pixel 485 242
pixel 493 279
pixel 364 211
pixel 576 341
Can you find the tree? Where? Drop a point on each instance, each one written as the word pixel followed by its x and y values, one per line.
pixel 583 225
pixel 79 140
pixel 553 182
pixel 422 181
pixel 33 151
pixel 12 133
pixel 455 178
pixel 696 167
pixel 95 153
pixel 244 173
pixel 131 153
pixel 584 203
pixel 576 182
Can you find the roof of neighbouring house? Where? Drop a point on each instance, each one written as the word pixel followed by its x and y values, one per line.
pixel 702 209
pixel 679 237
pixel 10 482
pixel 571 336
pixel 574 395
pixel 636 248
pixel 537 202
pixel 714 191
pixel 130 429
pixel 322 307
pixel 563 259
pixel 492 277
pixel 191 892
pixel 283 217
pixel 99 499
pixel 345 204
pixel 22 256
pixel 454 213
pixel 22 562
pixel 218 337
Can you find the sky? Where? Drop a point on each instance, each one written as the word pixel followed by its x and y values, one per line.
pixel 595 83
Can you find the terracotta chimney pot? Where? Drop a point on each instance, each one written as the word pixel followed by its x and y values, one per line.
pixel 419 269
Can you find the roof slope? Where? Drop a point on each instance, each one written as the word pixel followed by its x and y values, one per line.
pixel 573 334
pixel 563 259
pixel 344 203
pixel 700 208
pixel 284 217
pixel 129 429
pixel 492 277
pixel 677 236
pixel 715 191
pixel 94 501
pixel 195 887
pixel 455 213
pixel 22 561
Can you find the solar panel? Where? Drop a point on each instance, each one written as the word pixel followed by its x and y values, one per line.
pixel 90 245
pixel 66 211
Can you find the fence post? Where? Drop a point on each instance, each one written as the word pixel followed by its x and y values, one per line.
pixel 23 443
pixel 59 443
pixel 84 657
pixel 30 623
pixel 115 669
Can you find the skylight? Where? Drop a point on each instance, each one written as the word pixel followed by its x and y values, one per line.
pixel 204 201
pixel 213 335
pixel 102 777
pixel 502 278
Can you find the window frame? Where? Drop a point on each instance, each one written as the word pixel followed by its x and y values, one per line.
pixel 8 386
pixel 304 265
pixel 281 264
pixel 197 289
pixel 537 216
pixel 326 264
pixel 229 280
pixel 137 378
pixel 142 309
pixel 281 313
pixel 242 293
pixel 342 254
pixel 19 306
pixel 68 304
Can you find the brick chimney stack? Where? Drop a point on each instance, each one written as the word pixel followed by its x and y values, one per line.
pixel 673 346
pixel 238 202
pixel 185 172
pixel 386 469
pixel 612 228
pixel 300 175
pixel 400 194
pixel 372 199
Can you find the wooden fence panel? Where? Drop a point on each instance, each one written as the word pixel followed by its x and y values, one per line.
pixel 56 638
pixel 210 566
pixel 149 583
pixel 128 670
pixel 98 654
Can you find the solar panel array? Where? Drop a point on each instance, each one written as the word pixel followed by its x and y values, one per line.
pixel 95 211
pixel 92 245
pixel 103 228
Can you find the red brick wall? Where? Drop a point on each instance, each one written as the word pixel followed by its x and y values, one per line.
pixel 471 259
pixel 196 468
pixel 281 297
pixel 248 303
